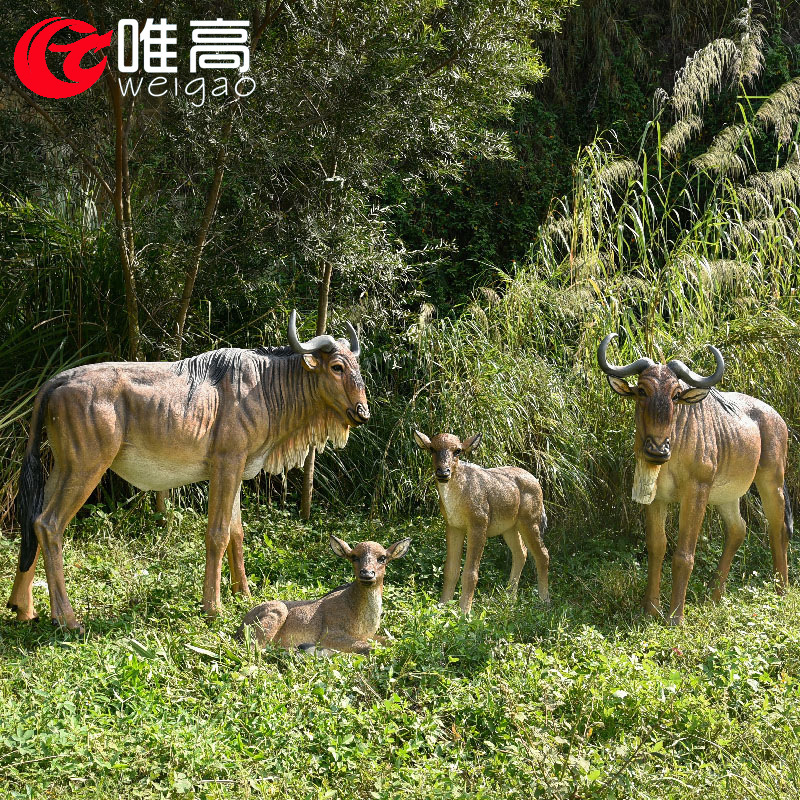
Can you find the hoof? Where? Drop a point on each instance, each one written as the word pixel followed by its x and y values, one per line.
pixel 74 627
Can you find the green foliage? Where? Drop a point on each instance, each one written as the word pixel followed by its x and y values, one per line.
pixel 583 699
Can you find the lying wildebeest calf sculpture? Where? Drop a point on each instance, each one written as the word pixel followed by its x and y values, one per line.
pixel 221 416
pixel 698 453
pixel 479 503
pixel 344 619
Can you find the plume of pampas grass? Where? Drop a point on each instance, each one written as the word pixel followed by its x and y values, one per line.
pixel 781 111
pixel 721 156
pixel 706 73
pixel 677 137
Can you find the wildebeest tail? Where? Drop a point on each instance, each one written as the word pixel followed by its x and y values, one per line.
pixel 30 496
pixel 788 517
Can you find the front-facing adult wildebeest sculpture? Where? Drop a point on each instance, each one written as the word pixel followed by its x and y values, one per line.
pixel 221 416
pixel 700 453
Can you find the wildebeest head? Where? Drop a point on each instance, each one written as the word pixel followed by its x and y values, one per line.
pixel 445 449
pixel 657 392
pixel 339 376
pixel 369 559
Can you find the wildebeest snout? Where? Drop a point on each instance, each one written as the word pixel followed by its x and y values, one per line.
pixel 360 415
pixel 656 452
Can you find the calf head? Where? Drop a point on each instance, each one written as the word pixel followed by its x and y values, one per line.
pixel 445 450
pixel 335 363
pixel 658 391
pixel 369 559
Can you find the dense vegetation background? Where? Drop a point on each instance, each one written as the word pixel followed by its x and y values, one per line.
pixel 485 193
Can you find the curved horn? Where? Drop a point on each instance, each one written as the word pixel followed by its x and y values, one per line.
pixel 355 347
pixel 324 342
pixel 692 378
pixel 620 372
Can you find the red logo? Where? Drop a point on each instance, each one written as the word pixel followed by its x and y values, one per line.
pixel 30 59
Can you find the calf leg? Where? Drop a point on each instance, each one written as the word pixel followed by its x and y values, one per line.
pixel 226 477
pixel 532 534
pixel 519 555
pixel 476 541
pixel 693 509
pixel 735 530
pixel 771 489
pixel 339 640
pixel 655 521
pixel 265 621
pixel 452 564
pixel 236 549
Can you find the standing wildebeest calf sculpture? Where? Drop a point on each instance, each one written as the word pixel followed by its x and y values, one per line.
pixel 698 453
pixel 477 503
pixel 221 416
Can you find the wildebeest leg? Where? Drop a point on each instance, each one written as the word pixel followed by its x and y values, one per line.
pixel 264 621
pixel 735 530
pixel 452 563
pixel 655 519
pixel 345 643
pixel 769 481
pixel 693 509
pixel 66 490
pixel 476 541
pixel 532 534
pixel 223 486
pixel 519 554
pixel 235 549
pixel 21 599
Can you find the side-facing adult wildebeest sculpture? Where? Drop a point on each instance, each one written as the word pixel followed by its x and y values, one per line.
pixel 695 449
pixel 221 416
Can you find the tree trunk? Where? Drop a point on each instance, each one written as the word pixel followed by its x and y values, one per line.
pixel 322 320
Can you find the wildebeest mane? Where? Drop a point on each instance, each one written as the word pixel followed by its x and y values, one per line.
pixel 212 367
pixel 726 405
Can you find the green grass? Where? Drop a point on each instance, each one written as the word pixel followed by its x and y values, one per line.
pixel 584 699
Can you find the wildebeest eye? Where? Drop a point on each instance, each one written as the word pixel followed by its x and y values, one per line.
pixel 337 368
pixel 642 392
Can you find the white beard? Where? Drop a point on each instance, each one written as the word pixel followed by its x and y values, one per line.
pixel 644 481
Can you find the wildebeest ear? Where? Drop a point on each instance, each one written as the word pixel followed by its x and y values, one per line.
pixel 691 395
pixel 472 443
pixel 311 362
pixel 621 386
pixel 340 547
pixel 422 440
pixel 398 549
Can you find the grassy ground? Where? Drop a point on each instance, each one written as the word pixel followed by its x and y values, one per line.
pixel 584 699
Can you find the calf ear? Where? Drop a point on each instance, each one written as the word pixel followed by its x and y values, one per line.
pixel 398 549
pixel 472 443
pixel 311 363
pixel 691 395
pixel 340 547
pixel 621 386
pixel 422 440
